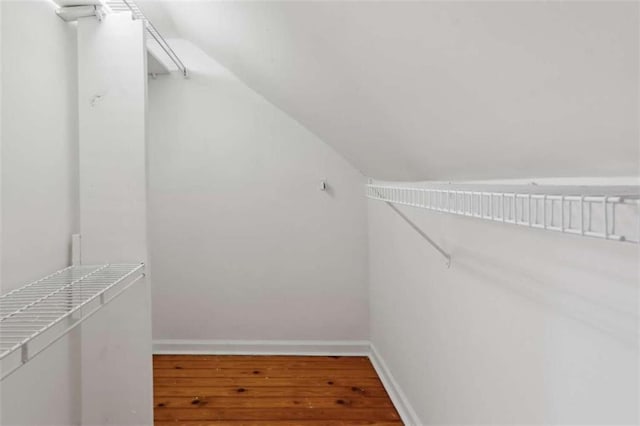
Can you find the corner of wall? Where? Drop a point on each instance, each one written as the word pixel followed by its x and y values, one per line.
pixel 398 397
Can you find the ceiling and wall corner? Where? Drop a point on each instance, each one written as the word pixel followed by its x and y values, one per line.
pixel 439 90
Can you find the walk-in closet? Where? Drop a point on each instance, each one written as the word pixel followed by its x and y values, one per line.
pixel 319 213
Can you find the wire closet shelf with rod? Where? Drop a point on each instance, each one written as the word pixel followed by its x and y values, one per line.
pixel 593 211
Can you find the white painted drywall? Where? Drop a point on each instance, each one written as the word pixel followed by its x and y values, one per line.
pixel 1 367
pixel 527 327
pixel 39 196
pixel 112 131
pixel 244 244
pixel 116 343
pixel 410 90
pixel 39 141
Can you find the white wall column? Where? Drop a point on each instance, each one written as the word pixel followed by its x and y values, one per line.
pixel 1 184
pixel 116 343
pixel 112 111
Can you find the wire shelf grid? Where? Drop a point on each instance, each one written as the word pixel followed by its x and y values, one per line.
pixel 131 6
pixel 589 215
pixel 43 311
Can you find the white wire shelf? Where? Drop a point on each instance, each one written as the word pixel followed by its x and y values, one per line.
pixel 611 213
pixel 35 316
pixel 131 6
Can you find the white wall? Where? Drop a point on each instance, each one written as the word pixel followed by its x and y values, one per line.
pixel 244 244
pixel 527 327
pixel 39 141
pixel 112 83
pixel 0 183
pixel 39 198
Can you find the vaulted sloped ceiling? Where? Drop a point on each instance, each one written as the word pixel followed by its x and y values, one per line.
pixel 439 90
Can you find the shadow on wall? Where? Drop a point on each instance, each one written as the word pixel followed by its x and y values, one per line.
pixel 550 292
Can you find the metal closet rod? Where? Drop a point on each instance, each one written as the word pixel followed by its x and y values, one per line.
pixel 153 32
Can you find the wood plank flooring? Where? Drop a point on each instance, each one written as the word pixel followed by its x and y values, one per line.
pixel 269 390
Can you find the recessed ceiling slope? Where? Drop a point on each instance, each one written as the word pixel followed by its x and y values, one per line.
pixel 440 90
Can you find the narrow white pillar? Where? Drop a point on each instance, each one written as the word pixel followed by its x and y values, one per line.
pixel 112 125
pixel 116 343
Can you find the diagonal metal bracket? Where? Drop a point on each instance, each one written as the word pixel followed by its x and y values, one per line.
pixel 433 244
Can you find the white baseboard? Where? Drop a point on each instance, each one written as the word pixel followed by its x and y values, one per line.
pixel 262 347
pixel 297 347
pixel 407 413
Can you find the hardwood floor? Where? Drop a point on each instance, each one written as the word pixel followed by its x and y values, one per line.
pixel 269 390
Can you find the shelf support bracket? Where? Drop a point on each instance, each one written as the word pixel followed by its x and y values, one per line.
pixel 24 353
pixel 445 255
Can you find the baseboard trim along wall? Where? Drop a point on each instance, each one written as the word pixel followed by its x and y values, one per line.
pixel 399 399
pixel 262 347
pixel 297 347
